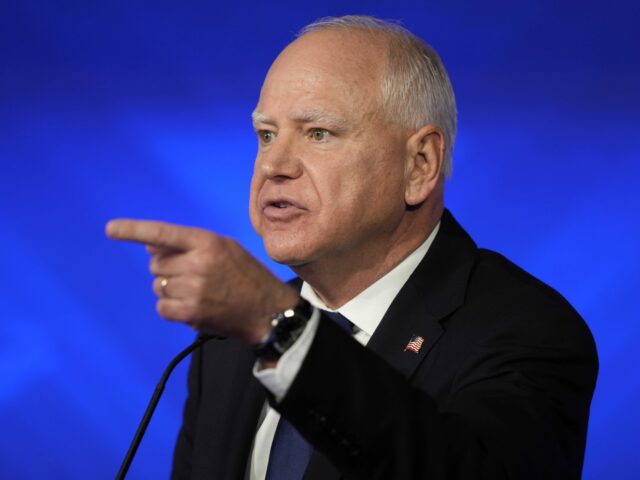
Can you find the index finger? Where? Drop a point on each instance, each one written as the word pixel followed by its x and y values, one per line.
pixel 159 234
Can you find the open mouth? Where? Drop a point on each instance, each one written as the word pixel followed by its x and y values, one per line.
pixel 281 204
pixel 281 208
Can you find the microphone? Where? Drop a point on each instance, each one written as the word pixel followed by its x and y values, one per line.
pixel 146 418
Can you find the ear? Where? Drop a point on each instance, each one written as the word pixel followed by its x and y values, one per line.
pixel 423 166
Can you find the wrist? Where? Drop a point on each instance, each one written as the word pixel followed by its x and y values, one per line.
pixel 285 328
pixel 277 300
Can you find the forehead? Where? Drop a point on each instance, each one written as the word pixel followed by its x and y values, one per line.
pixel 336 72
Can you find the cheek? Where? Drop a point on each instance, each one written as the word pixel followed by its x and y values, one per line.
pixel 377 176
pixel 254 191
pixel 376 192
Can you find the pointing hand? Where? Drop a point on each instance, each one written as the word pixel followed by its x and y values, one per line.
pixel 207 281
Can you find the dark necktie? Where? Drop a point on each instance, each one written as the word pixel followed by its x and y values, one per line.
pixel 290 452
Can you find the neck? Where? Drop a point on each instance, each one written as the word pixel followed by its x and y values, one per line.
pixel 337 280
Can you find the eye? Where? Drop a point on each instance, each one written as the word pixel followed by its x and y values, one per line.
pixel 266 136
pixel 319 134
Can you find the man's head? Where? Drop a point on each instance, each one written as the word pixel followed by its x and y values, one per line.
pixel 350 165
pixel 416 90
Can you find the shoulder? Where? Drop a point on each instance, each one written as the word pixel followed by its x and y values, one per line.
pixel 494 275
pixel 506 297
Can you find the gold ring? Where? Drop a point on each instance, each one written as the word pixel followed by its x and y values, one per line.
pixel 164 281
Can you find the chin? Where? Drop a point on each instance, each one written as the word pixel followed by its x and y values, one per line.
pixel 287 250
pixel 285 257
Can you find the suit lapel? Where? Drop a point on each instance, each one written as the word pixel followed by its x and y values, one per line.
pixel 435 289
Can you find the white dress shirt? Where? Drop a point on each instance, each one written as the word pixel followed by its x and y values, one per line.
pixel 365 311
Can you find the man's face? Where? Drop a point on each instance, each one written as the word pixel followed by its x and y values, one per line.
pixel 328 181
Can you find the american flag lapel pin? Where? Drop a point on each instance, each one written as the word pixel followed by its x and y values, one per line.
pixel 415 344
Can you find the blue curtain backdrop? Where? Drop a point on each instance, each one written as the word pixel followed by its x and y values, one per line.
pixel 142 109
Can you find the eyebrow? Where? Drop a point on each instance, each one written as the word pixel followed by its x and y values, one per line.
pixel 258 117
pixel 333 121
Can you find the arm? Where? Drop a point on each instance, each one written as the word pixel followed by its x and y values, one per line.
pixel 514 410
pixel 515 405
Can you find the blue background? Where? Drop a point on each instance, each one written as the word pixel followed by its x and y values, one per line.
pixel 142 109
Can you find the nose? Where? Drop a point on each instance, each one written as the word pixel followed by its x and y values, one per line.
pixel 281 160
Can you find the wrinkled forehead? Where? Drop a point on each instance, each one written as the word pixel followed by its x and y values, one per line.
pixel 334 64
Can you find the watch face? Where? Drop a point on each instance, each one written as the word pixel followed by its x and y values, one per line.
pixel 287 328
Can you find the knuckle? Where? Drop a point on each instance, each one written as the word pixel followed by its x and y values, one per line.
pixel 212 242
pixel 190 313
pixel 162 307
pixel 199 286
pixel 172 310
pixel 154 265
pixel 226 243
pixel 159 234
pixel 194 260
pixel 210 246
pixel 204 261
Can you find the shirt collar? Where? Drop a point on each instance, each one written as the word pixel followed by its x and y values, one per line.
pixel 366 309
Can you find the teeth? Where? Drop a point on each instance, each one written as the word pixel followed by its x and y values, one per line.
pixel 281 204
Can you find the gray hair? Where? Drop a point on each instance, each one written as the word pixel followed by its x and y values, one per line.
pixel 416 90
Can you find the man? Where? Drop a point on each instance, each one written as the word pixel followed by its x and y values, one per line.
pixel 472 368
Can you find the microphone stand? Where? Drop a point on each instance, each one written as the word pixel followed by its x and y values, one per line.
pixel 146 418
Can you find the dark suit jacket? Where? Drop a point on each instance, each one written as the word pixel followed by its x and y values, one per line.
pixel 500 389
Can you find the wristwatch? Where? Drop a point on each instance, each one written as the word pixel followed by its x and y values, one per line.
pixel 286 328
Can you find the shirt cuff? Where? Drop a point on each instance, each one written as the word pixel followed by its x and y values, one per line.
pixel 278 380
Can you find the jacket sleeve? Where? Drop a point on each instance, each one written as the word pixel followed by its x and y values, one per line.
pixel 516 409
